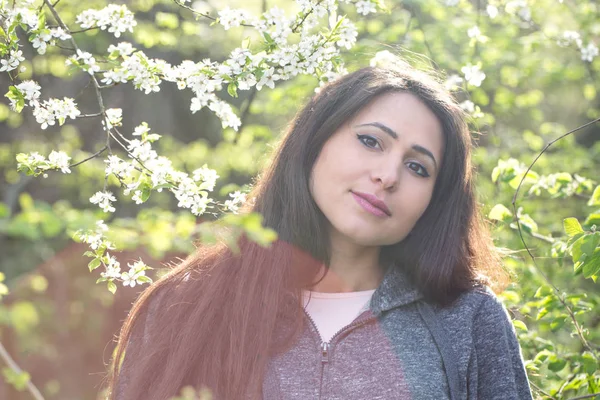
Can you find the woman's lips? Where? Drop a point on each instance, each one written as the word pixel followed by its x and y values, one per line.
pixel 371 204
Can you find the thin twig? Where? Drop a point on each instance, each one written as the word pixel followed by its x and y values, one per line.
pixel 514 203
pixel 539 389
pixel 13 366
pixel 205 15
pixel 89 115
pixel 84 30
pixel 245 113
pixel 96 154
pixel 587 396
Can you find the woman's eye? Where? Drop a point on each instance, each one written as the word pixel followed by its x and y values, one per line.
pixel 418 169
pixel 368 141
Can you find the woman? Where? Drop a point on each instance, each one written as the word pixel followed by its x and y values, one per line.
pixel 378 286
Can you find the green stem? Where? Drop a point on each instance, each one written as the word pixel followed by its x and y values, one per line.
pixel 13 365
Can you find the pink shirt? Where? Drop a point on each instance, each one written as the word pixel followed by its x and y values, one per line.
pixel 333 311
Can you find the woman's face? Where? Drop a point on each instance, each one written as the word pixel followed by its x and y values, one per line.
pixel 389 152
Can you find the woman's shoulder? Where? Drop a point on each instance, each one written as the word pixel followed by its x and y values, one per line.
pixel 478 304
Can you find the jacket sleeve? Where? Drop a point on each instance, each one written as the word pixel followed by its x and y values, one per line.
pixel 496 369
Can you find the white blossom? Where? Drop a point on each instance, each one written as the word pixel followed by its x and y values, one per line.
pixel 141 150
pixel 473 74
pixel 230 18
pixel 114 18
pixel 468 106
pixel 40 41
pixel 365 7
pixel 199 205
pixel 86 61
pixel 348 34
pixel 225 113
pixel 474 32
pixel 36 158
pixel 123 49
pixel 115 76
pixel 30 90
pixel 492 11
pixel 59 160
pixel 452 3
pixel 141 129
pixel 201 101
pixel 453 82
pixel 114 117
pixel 238 198
pixel 520 8
pixel 117 166
pixel 207 176
pixel 568 38
pixel 136 271
pixel 589 52
pixel 52 110
pixel 383 58
pixel 266 79
pixel 113 268
pixel 14 59
pixel 143 72
pixel 104 200
pixel 59 33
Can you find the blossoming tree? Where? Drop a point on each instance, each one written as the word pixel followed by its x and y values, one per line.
pixel 505 60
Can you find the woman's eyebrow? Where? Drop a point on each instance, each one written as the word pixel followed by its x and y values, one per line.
pixel 394 135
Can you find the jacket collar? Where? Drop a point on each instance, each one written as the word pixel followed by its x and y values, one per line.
pixel 395 290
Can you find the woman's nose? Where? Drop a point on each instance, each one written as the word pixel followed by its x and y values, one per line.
pixel 387 176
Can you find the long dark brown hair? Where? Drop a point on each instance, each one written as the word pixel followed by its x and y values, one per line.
pixel 214 318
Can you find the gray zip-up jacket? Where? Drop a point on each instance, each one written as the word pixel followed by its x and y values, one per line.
pixel 402 348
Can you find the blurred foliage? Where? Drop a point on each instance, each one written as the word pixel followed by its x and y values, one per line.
pixel 535 90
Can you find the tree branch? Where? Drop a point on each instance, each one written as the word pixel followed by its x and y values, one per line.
pixel 587 396
pixel 514 203
pixel 90 157
pixel 13 366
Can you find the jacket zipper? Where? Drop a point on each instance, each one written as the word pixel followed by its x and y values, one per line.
pixel 325 346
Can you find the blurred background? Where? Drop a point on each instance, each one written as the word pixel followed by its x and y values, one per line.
pixel 59 325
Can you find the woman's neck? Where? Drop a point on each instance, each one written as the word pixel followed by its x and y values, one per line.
pixel 351 272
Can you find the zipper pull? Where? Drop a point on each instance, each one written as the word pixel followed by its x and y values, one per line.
pixel 325 352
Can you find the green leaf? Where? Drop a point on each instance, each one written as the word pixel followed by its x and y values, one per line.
pixel 590 365
pixel 500 213
pixel 232 89
pixel 16 96
pixel 591 265
pixel 585 245
pixel 3 290
pixel 557 365
pixel 95 263
pixel 26 202
pixel 145 193
pixel 558 323
pixel 112 287
pixel 246 43
pixel 519 325
pixel 17 380
pixel 24 316
pixel 144 279
pixel 543 291
pixel 593 218
pixel 572 226
pixel 595 199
